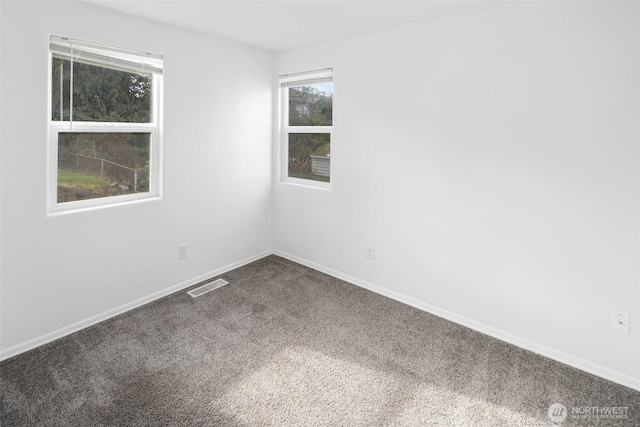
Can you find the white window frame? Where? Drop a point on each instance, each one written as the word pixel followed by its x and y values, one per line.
pixel 154 128
pixel 285 82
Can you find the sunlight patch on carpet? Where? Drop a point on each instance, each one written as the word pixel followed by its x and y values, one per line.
pixel 301 387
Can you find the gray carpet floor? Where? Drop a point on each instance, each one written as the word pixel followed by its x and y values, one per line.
pixel 284 345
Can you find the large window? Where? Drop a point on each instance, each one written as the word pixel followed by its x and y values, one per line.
pixel 307 116
pixel 104 133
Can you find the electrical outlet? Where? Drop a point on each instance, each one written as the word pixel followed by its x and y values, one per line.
pixel 620 322
pixel 371 252
pixel 182 251
pixel 339 245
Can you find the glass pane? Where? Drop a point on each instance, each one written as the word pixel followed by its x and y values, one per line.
pixel 92 165
pixel 310 156
pixel 60 90
pixel 101 94
pixel 311 105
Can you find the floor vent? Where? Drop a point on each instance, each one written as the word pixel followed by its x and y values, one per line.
pixel 207 288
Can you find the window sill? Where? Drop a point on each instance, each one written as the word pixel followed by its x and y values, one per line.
pixel 99 203
pixel 307 183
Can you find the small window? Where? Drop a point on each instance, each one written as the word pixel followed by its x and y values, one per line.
pixel 104 132
pixel 307 112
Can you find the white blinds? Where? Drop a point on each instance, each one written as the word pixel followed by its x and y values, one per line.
pixel 301 79
pixel 94 54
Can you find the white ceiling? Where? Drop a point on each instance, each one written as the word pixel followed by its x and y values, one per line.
pixel 281 25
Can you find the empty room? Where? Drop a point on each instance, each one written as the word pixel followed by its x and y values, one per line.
pixel 192 234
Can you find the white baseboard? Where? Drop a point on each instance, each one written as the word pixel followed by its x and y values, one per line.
pixel 551 353
pixel 75 327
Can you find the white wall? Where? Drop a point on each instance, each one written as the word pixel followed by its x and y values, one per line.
pixel 493 160
pixel 57 271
